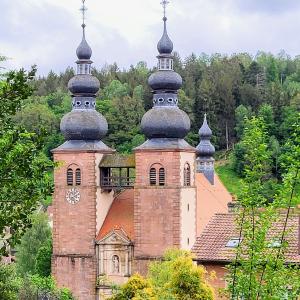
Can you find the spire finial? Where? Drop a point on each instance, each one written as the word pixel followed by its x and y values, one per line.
pixel 164 3
pixel 83 51
pixel 83 10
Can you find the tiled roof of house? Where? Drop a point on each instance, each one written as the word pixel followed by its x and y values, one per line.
pixel 210 246
pixel 120 215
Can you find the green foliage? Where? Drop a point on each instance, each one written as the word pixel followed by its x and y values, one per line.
pixel 260 271
pixel 9 283
pixel 174 278
pixel 34 252
pixel 242 113
pixel 229 177
pixel 24 176
pixel 137 288
pixel 37 117
pixel 34 286
pixel 13 91
pixel 124 115
pixel 217 85
pixel 43 259
pixel 266 113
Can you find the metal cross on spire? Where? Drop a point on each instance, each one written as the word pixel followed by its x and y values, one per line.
pixel 83 9
pixel 164 3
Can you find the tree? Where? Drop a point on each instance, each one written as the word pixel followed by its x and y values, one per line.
pixel 36 118
pixel 242 113
pixel 124 116
pixel 24 168
pixel 9 284
pixel 259 270
pixel 36 287
pixel 34 252
pixel 176 277
pixel 137 288
pixel 43 259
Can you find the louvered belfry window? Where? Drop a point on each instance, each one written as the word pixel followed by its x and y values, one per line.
pixel 187 175
pixel 152 176
pixel 78 177
pixel 162 176
pixel 70 177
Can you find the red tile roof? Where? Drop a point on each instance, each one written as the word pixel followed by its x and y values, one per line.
pixel 210 246
pixel 120 215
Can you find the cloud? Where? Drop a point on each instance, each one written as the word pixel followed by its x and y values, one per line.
pixel 268 6
pixel 47 32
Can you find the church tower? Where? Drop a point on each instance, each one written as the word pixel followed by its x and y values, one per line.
pixel 76 180
pixel 205 152
pixel 165 193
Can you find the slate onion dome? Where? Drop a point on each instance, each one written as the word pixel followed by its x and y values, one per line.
pixel 84 122
pixel 205 147
pixel 165 119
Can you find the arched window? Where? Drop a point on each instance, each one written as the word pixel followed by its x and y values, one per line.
pixel 162 176
pixel 152 176
pixel 78 177
pixel 70 177
pixel 115 264
pixel 187 175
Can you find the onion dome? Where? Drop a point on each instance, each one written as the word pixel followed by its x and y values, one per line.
pixel 84 84
pixel 84 125
pixel 205 147
pixel 165 80
pixel 165 45
pixel 84 51
pixel 165 122
pixel 84 122
pixel 165 119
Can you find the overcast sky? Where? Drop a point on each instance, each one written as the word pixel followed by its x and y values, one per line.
pixel 47 32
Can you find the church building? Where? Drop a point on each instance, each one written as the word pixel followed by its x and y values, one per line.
pixel 113 213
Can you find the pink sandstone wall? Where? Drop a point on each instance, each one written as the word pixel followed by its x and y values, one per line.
pixel 157 216
pixel 74 227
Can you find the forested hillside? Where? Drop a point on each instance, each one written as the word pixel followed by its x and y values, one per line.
pixel 225 87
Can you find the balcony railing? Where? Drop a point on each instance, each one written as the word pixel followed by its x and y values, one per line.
pixel 113 182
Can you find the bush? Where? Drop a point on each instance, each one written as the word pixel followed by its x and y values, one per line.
pixel 137 288
pixel 36 237
pixel 35 287
pixel 9 283
pixel 174 278
pixel 43 260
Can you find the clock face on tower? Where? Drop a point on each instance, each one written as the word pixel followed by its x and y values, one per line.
pixel 73 196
